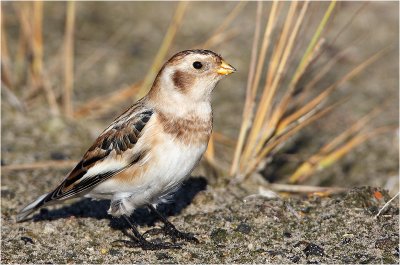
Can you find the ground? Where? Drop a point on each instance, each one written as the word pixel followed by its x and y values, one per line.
pixel 230 225
pixel 231 229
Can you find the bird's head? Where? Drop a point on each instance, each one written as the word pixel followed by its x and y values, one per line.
pixel 190 76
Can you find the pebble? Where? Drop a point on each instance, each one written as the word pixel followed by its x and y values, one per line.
pixel 250 246
pixel 49 229
pixel 313 249
pixel 27 240
pixel 243 228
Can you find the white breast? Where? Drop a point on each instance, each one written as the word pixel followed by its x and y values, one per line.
pixel 171 155
pixel 169 164
pixel 174 162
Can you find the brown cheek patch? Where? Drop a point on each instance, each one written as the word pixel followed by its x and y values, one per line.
pixel 182 81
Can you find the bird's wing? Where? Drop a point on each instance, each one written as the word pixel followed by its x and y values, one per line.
pixel 105 158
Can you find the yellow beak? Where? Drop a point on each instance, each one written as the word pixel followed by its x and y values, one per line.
pixel 225 69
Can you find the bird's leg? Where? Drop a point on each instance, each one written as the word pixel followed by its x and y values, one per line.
pixel 142 242
pixel 171 230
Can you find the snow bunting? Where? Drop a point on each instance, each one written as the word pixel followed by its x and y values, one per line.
pixel 149 150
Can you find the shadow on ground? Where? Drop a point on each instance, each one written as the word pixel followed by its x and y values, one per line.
pixel 98 209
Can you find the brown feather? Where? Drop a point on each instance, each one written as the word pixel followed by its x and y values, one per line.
pixel 182 81
pixel 120 136
pixel 189 130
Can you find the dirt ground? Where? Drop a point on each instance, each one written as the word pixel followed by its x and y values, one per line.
pixel 231 227
pixel 338 229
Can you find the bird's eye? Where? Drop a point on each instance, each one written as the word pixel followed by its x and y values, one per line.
pixel 197 65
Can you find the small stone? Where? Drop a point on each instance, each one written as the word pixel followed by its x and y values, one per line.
pixel 7 194
pixel 243 228
pixel 348 235
pixel 313 249
pixel 250 246
pixel 295 259
pixel 49 229
pixel 346 241
pixel 287 234
pixel 219 235
pixel 306 209
pixel 114 252
pixel 162 255
pixel 384 243
pixel 27 240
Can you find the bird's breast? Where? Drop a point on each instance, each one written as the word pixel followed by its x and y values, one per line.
pixel 191 130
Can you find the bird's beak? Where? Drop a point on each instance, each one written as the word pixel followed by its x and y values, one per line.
pixel 225 68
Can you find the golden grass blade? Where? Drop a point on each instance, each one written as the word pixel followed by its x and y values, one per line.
pixel 6 76
pixel 303 188
pixel 50 96
pixel 271 24
pixel 331 158
pixel 300 123
pixel 101 52
pixel 266 102
pixel 249 101
pixel 288 97
pixel 102 104
pixel 361 66
pixel 358 125
pixel 324 70
pixel 283 138
pixel 348 23
pixel 19 59
pixel 321 161
pixel 37 40
pixel 257 141
pixel 322 96
pixel 57 164
pixel 272 19
pixel 223 139
pixel 164 48
pixel 227 21
pixel 260 64
pixel 315 37
pixel 69 60
pixel 9 96
pixel 23 12
pixel 305 109
pixel 281 43
pixel 210 152
pixel 24 49
pixel 307 58
pixel 221 38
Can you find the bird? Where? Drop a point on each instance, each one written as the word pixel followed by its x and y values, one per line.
pixel 150 149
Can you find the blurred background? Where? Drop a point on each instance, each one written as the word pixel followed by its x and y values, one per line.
pixel 69 68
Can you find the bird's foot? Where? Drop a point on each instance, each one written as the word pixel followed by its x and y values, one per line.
pixel 154 231
pixel 176 234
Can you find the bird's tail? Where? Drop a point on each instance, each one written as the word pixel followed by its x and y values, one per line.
pixel 30 208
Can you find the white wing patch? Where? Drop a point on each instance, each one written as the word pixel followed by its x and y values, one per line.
pixel 108 165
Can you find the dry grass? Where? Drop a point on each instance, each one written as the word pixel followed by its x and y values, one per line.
pixel 69 60
pixel 31 42
pixel 276 107
pixel 270 121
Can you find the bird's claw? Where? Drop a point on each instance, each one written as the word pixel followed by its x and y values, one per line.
pixel 176 234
